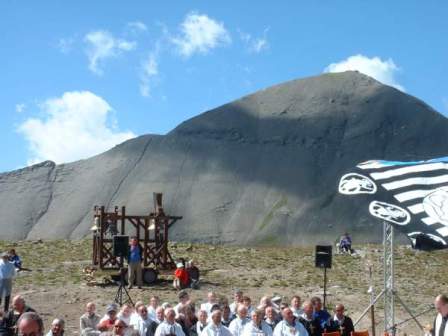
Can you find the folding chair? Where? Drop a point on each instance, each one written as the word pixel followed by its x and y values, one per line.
pixel 360 333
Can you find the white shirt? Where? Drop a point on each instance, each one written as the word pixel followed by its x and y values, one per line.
pixel 152 312
pixel 207 307
pixel 199 325
pixel 297 312
pixel 213 330
pixel 438 324
pixel 165 328
pixel 250 329
pixel 283 328
pixel 142 325
pixel 133 321
pixel 237 325
pixel 7 270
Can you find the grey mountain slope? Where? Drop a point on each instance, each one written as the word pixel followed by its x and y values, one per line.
pixel 262 169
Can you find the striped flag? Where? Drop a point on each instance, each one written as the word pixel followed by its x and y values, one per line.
pixel 411 195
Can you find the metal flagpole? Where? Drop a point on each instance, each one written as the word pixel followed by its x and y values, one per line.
pixel 388 245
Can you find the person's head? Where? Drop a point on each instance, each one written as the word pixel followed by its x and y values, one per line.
pixel 143 312
pixel 288 315
pixel 160 313
pixel 30 324
pixel 256 316
pixel 283 305
pixel 339 310
pixel 270 313
pixel 18 303
pixel 111 311
pixel 241 311
pixel 441 304
pixel 202 316
pixel 308 308
pixel 126 310
pixel 12 252
pixel 188 311
pixel 238 295
pixel 90 308
pixel 247 301
pixel 154 301
pixel 133 241
pixel 137 305
pixel 57 326
pixel 216 317
pixel 4 256
pixel 211 297
pixel 317 303
pixel 183 297
pixel 170 315
pixel 226 312
pixel 119 327
pixel 265 301
pixel 295 302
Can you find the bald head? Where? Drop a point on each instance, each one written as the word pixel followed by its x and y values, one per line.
pixel 441 304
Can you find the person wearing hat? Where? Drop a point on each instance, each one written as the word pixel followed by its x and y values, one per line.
pixel 108 321
pixel 7 274
pixel 181 277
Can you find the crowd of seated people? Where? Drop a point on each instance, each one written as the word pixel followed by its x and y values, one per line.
pixel 214 317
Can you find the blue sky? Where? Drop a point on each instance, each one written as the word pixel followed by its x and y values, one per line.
pixel 79 77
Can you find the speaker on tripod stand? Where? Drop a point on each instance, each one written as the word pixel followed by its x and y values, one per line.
pixel 120 248
pixel 323 260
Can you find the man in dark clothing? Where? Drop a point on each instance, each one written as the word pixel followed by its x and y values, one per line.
pixel 340 322
pixel 311 324
pixel 11 318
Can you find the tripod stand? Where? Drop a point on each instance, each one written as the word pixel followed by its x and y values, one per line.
pixel 389 292
pixel 122 288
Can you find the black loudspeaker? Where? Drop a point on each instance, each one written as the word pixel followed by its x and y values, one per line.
pixel 120 246
pixel 323 256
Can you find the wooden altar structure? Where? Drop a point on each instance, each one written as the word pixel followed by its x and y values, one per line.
pixel 151 232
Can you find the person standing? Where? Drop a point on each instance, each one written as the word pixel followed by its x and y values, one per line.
pixel 135 263
pixel 7 273
pixel 440 322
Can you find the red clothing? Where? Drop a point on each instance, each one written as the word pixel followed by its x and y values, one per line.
pixel 182 275
pixel 106 325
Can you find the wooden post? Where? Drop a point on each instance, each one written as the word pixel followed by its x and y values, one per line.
pixel 123 219
pixel 101 221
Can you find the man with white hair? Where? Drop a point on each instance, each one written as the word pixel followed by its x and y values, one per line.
pixel 215 327
pixel 200 325
pixel 30 323
pixel 237 325
pixel 89 320
pixel 257 327
pixel 289 326
pixel 7 274
pixel 441 305
pixel 169 327
pixel 57 327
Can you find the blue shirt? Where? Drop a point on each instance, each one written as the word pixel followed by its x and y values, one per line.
pixel 322 316
pixel 134 254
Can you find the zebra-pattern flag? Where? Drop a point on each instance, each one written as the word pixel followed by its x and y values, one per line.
pixel 411 195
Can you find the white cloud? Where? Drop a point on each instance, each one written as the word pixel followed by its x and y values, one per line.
pixel 137 26
pixel 20 107
pixel 149 70
pixel 255 44
pixel 383 71
pixel 75 126
pixel 200 34
pixel 102 45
